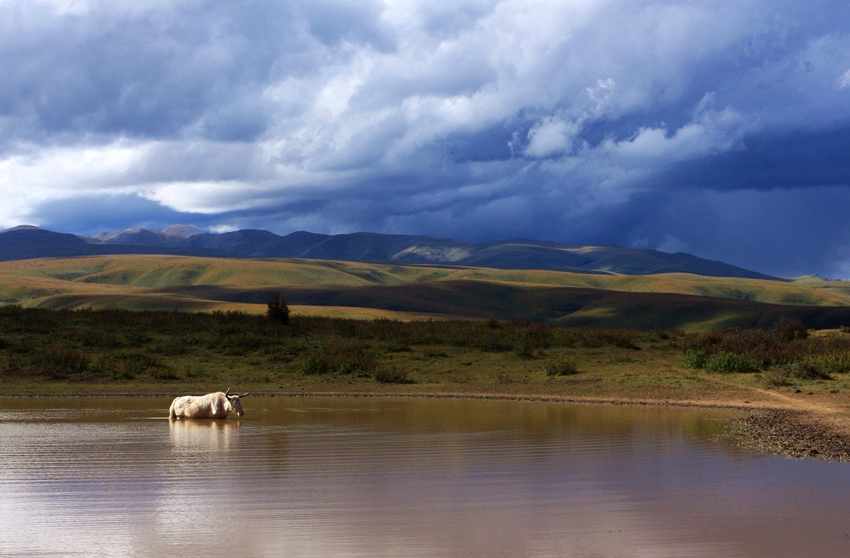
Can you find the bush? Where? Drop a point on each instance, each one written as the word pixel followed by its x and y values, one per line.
pixel 808 370
pixel 776 377
pixel 787 329
pixel 762 348
pixel 730 362
pixel 238 344
pixel 133 364
pixel 192 370
pixel 278 311
pixel 560 367
pixel 163 373
pixel 60 362
pixel 694 358
pixel 341 358
pixel 391 375
pixel 805 370
pixel 523 349
pixel 103 365
pixel 833 363
pixel 317 365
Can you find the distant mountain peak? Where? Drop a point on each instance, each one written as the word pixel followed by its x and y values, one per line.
pixel 181 231
pixel 30 242
pixel 133 236
pixel 23 228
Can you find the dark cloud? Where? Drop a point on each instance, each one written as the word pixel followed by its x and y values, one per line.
pixel 796 159
pixel 89 215
pixel 797 231
pixel 716 127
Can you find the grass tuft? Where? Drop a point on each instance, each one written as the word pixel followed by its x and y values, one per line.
pixel 560 367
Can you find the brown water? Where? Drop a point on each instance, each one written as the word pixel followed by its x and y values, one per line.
pixel 400 477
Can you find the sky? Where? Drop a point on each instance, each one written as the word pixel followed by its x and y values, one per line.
pixel 720 128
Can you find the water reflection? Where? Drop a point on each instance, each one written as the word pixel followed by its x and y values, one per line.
pixel 205 435
pixel 394 477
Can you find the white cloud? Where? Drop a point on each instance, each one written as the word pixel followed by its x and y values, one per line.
pixel 550 137
pixel 715 133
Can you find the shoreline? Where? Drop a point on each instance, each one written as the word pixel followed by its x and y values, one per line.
pixel 794 434
pixel 762 428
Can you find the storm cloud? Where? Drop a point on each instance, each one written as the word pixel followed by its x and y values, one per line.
pixel 714 127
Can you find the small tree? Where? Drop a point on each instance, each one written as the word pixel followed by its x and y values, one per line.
pixel 278 310
pixel 789 329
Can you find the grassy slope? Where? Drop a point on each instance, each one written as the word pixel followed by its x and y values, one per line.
pixel 171 271
pixel 202 284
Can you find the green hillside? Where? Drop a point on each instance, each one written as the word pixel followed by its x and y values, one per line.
pixel 680 301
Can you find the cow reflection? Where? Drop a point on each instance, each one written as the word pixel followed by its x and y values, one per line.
pixel 203 434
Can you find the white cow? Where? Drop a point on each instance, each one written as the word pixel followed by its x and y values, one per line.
pixel 210 406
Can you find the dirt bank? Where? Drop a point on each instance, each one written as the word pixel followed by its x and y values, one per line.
pixel 797 434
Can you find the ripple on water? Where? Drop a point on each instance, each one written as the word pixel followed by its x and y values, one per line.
pixel 373 477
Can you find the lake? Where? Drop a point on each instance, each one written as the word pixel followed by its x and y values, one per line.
pixel 396 477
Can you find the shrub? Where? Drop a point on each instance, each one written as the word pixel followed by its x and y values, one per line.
pixel 833 363
pixel 730 362
pixel 779 376
pixel 137 339
pixel 341 358
pixel 804 370
pixel 60 362
pixel 13 367
pixel 391 375
pixel 133 364
pixel 787 329
pixel 278 311
pixel 694 358
pixel 192 370
pixel 103 365
pixel 763 348
pixel 560 367
pixel 808 370
pixel 523 349
pixel 238 344
pixel 94 337
pixel 317 365
pixel 352 359
pixel 538 336
pixel 171 347
pixel 163 373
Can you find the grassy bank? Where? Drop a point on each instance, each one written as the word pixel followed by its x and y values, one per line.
pixel 113 351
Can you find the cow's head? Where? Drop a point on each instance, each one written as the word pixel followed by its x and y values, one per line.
pixel 234 405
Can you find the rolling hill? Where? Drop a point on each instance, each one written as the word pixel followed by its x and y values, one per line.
pixel 25 242
pixel 353 289
pixel 31 242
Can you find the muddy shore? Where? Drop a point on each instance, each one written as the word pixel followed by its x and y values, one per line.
pixel 795 434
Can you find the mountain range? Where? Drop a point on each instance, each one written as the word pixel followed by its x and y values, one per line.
pixel 26 242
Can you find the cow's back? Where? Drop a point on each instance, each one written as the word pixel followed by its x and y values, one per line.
pixel 180 406
pixel 198 406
